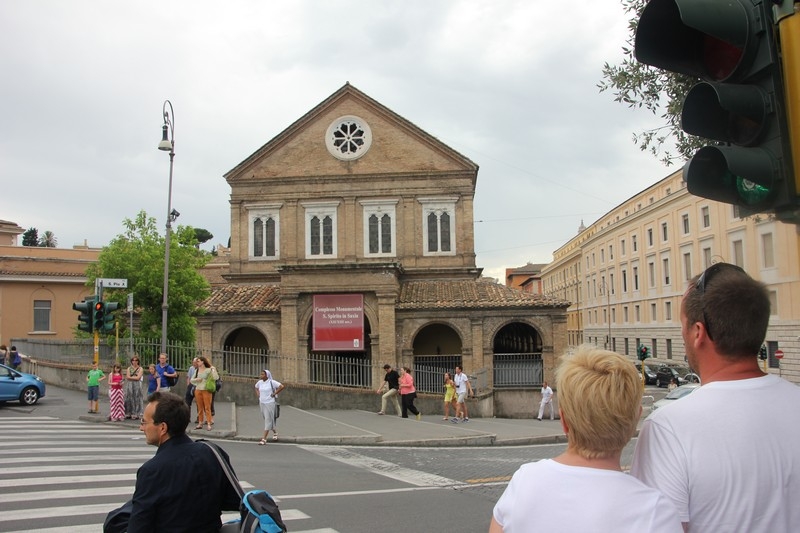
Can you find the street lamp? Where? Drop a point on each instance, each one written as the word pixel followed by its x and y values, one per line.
pixel 167 144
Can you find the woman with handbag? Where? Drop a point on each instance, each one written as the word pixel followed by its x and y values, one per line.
pixel 267 390
pixel 204 384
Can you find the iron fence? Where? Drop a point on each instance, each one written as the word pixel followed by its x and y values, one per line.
pixel 518 370
pixel 340 370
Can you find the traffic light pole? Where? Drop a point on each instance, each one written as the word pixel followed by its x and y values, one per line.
pixel 789 30
pixel 97 347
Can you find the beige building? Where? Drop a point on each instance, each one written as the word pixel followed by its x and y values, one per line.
pixel 37 289
pixel 353 202
pixel 626 273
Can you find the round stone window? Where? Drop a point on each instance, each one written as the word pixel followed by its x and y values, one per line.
pixel 348 138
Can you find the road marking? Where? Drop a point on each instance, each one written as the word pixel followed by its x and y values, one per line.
pixel 65 479
pixel 383 468
pixel 488 479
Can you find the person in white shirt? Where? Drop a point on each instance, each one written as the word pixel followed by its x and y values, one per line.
pixel 584 488
pixel 463 388
pixel 267 390
pixel 547 399
pixel 727 455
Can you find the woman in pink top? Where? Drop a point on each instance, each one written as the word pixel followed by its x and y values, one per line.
pixel 408 393
pixel 116 395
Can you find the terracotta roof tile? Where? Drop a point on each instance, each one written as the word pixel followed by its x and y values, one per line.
pixel 243 299
pixel 468 293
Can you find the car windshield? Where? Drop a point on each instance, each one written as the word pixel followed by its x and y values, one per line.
pixel 679 392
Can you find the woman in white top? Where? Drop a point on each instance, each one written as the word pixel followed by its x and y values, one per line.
pixel 267 390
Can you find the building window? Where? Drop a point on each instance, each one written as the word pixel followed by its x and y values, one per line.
pixel 611 280
pixel 651 274
pixel 706 216
pixel 636 278
pixel 773 303
pixel 41 315
pixel 602 256
pixel 622 247
pixel 265 232
pixel 649 237
pixel 665 264
pixel 667 310
pixel 706 258
pixel 321 229
pixel 625 313
pixel 685 221
pixel 767 252
pixel 379 228
pixel 637 313
pixel 687 266
pixel 664 232
pixel 654 348
pixel 438 225
pixel 634 243
pixel 610 252
pixel 738 253
pixel 653 313
pixel 624 281
pixel 669 348
pixel 348 138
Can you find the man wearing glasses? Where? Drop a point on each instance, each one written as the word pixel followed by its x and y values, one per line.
pixel 728 455
pixel 183 487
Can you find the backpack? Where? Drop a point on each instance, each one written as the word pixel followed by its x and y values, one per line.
pixel 259 512
pixel 171 382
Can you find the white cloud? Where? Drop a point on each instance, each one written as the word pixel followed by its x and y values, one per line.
pixel 509 84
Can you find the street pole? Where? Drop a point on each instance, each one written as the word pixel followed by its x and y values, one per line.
pixel 167 143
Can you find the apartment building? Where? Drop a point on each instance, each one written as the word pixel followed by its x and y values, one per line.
pixel 626 273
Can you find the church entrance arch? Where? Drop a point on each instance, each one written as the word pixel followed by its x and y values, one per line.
pixel 437 349
pixel 245 352
pixel 517 357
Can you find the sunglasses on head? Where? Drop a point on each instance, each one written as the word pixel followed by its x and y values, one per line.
pixel 703 280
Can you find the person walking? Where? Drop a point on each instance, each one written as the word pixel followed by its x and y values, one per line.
pixel 93 379
pixel 203 396
pixel 463 389
pixel 134 396
pixel 391 384
pixel 408 393
pixel 547 400
pixel 584 488
pixel 727 454
pixel 267 390
pixel 449 395
pixel 116 395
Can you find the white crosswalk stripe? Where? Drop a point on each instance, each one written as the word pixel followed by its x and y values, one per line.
pixel 73 482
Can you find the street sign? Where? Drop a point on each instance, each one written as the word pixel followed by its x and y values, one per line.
pixel 113 283
pixel 778 354
pixel 130 302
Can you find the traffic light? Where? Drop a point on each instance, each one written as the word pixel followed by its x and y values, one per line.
pixel 762 352
pixel 643 352
pixel 99 317
pixel 108 316
pixel 733 46
pixel 85 318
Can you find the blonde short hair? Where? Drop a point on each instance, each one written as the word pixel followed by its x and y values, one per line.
pixel 600 395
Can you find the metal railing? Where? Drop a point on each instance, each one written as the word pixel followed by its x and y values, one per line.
pixel 339 370
pixel 518 370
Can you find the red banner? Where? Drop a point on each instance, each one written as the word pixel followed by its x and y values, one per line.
pixel 338 323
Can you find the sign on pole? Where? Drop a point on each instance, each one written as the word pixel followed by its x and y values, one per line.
pixel 778 354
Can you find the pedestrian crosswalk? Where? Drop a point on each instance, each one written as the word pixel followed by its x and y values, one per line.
pixel 64 476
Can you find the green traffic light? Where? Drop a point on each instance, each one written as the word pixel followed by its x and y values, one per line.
pixel 751 193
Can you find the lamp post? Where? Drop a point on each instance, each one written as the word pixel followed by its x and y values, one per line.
pixel 167 144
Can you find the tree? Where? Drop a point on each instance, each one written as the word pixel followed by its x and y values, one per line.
pixel 202 235
pixel 30 237
pixel 48 240
pixel 138 256
pixel 638 85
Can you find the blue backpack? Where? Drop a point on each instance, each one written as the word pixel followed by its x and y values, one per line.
pixel 259 512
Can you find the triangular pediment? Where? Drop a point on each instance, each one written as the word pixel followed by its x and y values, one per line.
pixel 397 146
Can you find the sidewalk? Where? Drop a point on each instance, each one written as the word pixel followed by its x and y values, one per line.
pixel 331 427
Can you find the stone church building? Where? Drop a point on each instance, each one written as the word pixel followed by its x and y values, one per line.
pixel 352 245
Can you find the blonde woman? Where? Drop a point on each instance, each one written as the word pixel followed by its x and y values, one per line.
pixel 449 395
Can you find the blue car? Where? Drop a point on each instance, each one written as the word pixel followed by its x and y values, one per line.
pixel 19 386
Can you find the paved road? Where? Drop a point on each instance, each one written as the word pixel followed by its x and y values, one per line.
pixel 63 476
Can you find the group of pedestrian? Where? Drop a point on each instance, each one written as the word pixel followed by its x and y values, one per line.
pixel 10 357
pixel 716 460
pixel 126 397
pixel 398 387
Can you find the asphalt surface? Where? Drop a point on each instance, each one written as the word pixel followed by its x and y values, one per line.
pixel 326 427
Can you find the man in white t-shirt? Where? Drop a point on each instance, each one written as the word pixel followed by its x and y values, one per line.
pixel 463 387
pixel 727 455
pixel 584 488
pixel 547 399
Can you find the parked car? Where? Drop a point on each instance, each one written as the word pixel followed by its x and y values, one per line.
pixel 649 375
pixel 19 386
pixel 676 394
pixel 666 373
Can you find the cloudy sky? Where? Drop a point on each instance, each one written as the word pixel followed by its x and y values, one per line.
pixel 509 84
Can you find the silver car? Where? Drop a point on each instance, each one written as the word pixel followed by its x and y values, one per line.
pixel 676 394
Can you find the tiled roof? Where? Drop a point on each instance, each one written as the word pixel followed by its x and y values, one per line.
pixel 413 295
pixel 243 299
pixel 42 273
pixel 468 293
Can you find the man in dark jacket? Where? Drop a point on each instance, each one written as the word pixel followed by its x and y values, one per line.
pixel 183 487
